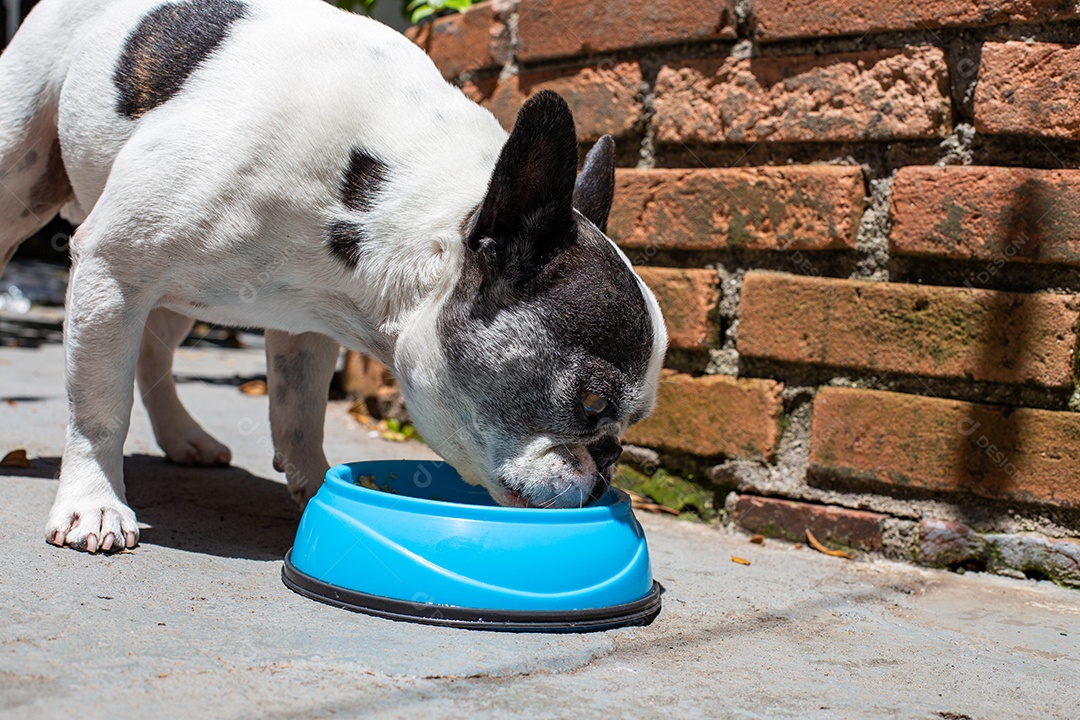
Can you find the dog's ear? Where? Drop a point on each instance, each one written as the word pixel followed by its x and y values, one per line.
pixel 595 186
pixel 527 214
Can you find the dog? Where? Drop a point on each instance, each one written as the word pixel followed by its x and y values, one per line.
pixel 286 165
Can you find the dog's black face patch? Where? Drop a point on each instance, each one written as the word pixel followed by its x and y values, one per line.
pixel 546 310
pixel 573 305
pixel 593 302
pixel 166 47
pixel 580 325
pixel 361 183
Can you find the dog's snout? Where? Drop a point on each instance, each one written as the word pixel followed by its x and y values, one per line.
pixel 605 452
pixel 603 484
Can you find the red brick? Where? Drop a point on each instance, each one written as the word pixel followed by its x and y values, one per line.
pixel 910 441
pixel 463 42
pixel 564 28
pixel 760 208
pixel 948 543
pixel 996 214
pixel 480 90
pixel 712 416
pixel 604 100
pixel 1029 89
pixel 688 300
pixel 787 519
pixel 873 95
pixel 780 19
pixel 943 332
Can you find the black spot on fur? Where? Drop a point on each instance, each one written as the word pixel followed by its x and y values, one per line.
pixel 363 180
pixel 345 241
pixel 361 184
pixel 166 48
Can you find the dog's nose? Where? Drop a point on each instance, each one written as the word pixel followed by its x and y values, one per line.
pixel 605 452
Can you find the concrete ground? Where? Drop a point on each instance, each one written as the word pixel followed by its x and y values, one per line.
pixel 195 622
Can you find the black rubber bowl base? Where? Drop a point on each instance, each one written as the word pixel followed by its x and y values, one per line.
pixel 639 612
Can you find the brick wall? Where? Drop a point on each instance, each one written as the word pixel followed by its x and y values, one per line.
pixel 862 221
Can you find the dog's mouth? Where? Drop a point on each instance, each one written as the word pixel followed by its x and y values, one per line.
pixel 515 499
pixel 508 497
pixel 562 476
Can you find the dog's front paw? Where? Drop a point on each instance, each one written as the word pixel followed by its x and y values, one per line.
pixel 302 494
pixel 194 446
pixel 91 525
pixel 303 478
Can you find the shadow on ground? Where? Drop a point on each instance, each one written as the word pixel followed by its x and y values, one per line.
pixel 227 512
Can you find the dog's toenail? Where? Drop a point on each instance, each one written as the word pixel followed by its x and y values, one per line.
pixel 107 543
pixel 91 543
pixel 130 539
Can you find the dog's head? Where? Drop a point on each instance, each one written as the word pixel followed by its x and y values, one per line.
pixel 549 345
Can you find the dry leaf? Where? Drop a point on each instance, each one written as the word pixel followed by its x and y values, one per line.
pixel 798 546
pixel 739 560
pixel 757 539
pixel 16 458
pixel 638 502
pixel 359 411
pixel 822 549
pixel 254 387
pixel 653 507
pixel 642 503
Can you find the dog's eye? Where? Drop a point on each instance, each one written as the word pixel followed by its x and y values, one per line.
pixel 593 403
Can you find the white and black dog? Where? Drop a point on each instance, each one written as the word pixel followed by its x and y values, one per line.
pixel 286 165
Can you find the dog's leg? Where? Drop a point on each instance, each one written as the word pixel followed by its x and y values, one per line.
pixel 177 433
pixel 105 317
pixel 299 369
pixel 33 181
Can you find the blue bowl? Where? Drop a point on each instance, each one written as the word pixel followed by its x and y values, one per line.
pixel 428 547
